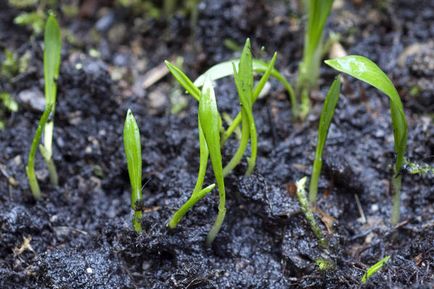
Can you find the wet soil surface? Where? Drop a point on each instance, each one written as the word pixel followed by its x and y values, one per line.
pixel 80 235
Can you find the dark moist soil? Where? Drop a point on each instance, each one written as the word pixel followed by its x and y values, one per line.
pixel 80 235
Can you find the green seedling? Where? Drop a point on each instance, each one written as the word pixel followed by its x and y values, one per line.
pixel 210 122
pixel 244 83
pixel 52 47
pixel 133 152
pixel 225 69
pixel 318 12
pixel 324 125
pixel 307 211
pixel 30 167
pixel 367 71
pixel 374 269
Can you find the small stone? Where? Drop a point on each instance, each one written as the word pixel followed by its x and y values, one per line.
pixel 32 97
pixel 89 270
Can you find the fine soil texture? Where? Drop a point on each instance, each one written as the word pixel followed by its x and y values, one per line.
pixel 80 234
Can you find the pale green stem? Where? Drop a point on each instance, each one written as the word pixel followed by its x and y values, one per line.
pixel 253 145
pixel 195 197
pixel 137 221
pixel 307 211
pixel 236 159
pixel 396 199
pixel 313 186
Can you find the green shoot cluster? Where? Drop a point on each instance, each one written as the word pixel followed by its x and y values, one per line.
pixel 52 49
pixel 133 152
pixel 318 12
pixel 367 71
pixel 212 135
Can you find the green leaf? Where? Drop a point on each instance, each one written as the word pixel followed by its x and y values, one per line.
pixel 52 49
pixel 318 12
pixel 224 69
pixel 374 269
pixel 183 80
pixel 133 152
pixel 324 125
pixel 209 119
pixel 367 71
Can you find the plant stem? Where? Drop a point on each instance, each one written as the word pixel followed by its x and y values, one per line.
pixel 30 168
pixel 396 199
pixel 33 182
pixel 251 162
pixel 137 221
pixel 307 211
pixel 236 159
pixel 313 186
pixel 218 223
pixel 195 197
pixel 46 155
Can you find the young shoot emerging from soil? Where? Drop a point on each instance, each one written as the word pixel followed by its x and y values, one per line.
pixel 374 269
pixel 133 152
pixel 307 211
pixel 210 129
pixel 52 48
pixel 327 113
pixel 367 71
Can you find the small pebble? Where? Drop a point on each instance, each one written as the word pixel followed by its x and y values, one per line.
pixel 32 97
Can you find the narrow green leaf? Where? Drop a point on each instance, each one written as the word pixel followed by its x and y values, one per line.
pixel 133 152
pixel 183 79
pixel 209 119
pixel 52 50
pixel 260 86
pixel 318 12
pixel 224 69
pixel 367 71
pixel 374 269
pixel 324 125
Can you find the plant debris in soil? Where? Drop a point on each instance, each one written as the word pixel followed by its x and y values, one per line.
pixel 80 235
